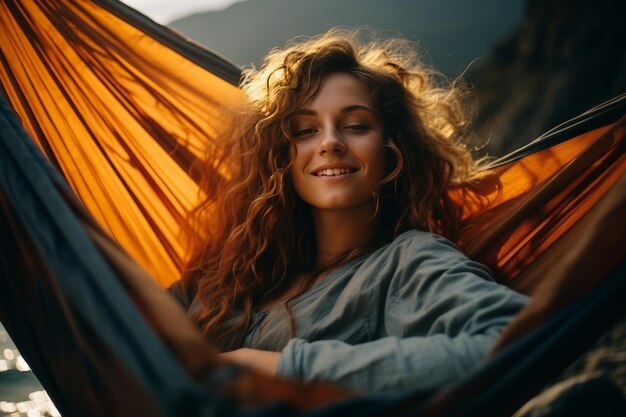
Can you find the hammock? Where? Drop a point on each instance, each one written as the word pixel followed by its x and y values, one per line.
pixel 119 108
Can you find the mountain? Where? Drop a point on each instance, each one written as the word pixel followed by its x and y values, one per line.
pixel 566 57
pixel 452 33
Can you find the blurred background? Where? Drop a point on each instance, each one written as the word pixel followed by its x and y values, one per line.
pixel 531 65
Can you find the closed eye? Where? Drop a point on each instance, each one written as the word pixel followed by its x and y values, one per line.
pixel 304 132
pixel 357 128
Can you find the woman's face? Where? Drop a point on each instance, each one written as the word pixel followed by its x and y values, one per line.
pixel 339 145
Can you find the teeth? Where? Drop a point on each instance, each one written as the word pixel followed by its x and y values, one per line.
pixel 334 171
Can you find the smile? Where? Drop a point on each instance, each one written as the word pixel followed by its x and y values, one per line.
pixel 329 172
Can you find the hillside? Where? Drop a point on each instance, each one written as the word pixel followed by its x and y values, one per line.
pixel 452 33
pixel 566 57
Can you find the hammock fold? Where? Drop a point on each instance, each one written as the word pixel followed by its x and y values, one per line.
pixel 120 109
pixel 118 113
pixel 50 263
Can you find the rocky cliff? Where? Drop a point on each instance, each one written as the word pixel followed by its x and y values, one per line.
pixel 566 57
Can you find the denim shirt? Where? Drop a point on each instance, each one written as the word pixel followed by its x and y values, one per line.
pixel 416 314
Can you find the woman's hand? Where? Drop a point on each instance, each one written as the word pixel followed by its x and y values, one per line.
pixel 259 360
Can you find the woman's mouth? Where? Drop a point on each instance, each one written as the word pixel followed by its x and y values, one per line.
pixel 330 172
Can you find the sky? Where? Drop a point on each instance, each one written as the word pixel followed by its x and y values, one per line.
pixel 164 11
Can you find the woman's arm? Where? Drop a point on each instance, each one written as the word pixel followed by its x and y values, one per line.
pixel 388 364
pixel 260 360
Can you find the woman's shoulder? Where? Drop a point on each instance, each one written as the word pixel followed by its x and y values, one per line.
pixel 419 253
pixel 411 245
pixel 420 240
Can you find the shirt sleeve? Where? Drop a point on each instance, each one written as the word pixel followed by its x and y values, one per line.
pixel 441 314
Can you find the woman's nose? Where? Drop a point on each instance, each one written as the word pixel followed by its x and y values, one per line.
pixel 332 143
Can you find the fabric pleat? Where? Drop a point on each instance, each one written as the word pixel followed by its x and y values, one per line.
pixel 122 116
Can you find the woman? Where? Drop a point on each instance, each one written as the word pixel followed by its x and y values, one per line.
pixel 323 263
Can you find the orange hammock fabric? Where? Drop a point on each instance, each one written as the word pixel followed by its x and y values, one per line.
pixel 119 114
pixel 122 107
pixel 524 207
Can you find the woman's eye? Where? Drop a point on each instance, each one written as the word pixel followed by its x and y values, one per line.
pixel 304 132
pixel 357 127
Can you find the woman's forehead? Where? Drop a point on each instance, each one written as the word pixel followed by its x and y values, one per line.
pixel 341 91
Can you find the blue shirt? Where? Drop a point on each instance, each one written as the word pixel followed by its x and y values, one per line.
pixel 415 314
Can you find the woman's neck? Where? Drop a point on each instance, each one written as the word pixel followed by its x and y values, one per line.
pixel 339 231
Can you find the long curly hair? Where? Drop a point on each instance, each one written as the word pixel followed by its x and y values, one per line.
pixel 257 233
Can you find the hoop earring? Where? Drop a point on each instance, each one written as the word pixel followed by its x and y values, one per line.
pixel 395 172
pixel 377 200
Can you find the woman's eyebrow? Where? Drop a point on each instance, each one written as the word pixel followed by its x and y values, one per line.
pixel 347 109
pixel 303 112
pixel 356 107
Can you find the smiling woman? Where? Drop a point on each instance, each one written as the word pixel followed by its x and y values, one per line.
pixel 325 261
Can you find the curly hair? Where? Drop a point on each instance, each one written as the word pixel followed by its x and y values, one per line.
pixel 258 232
